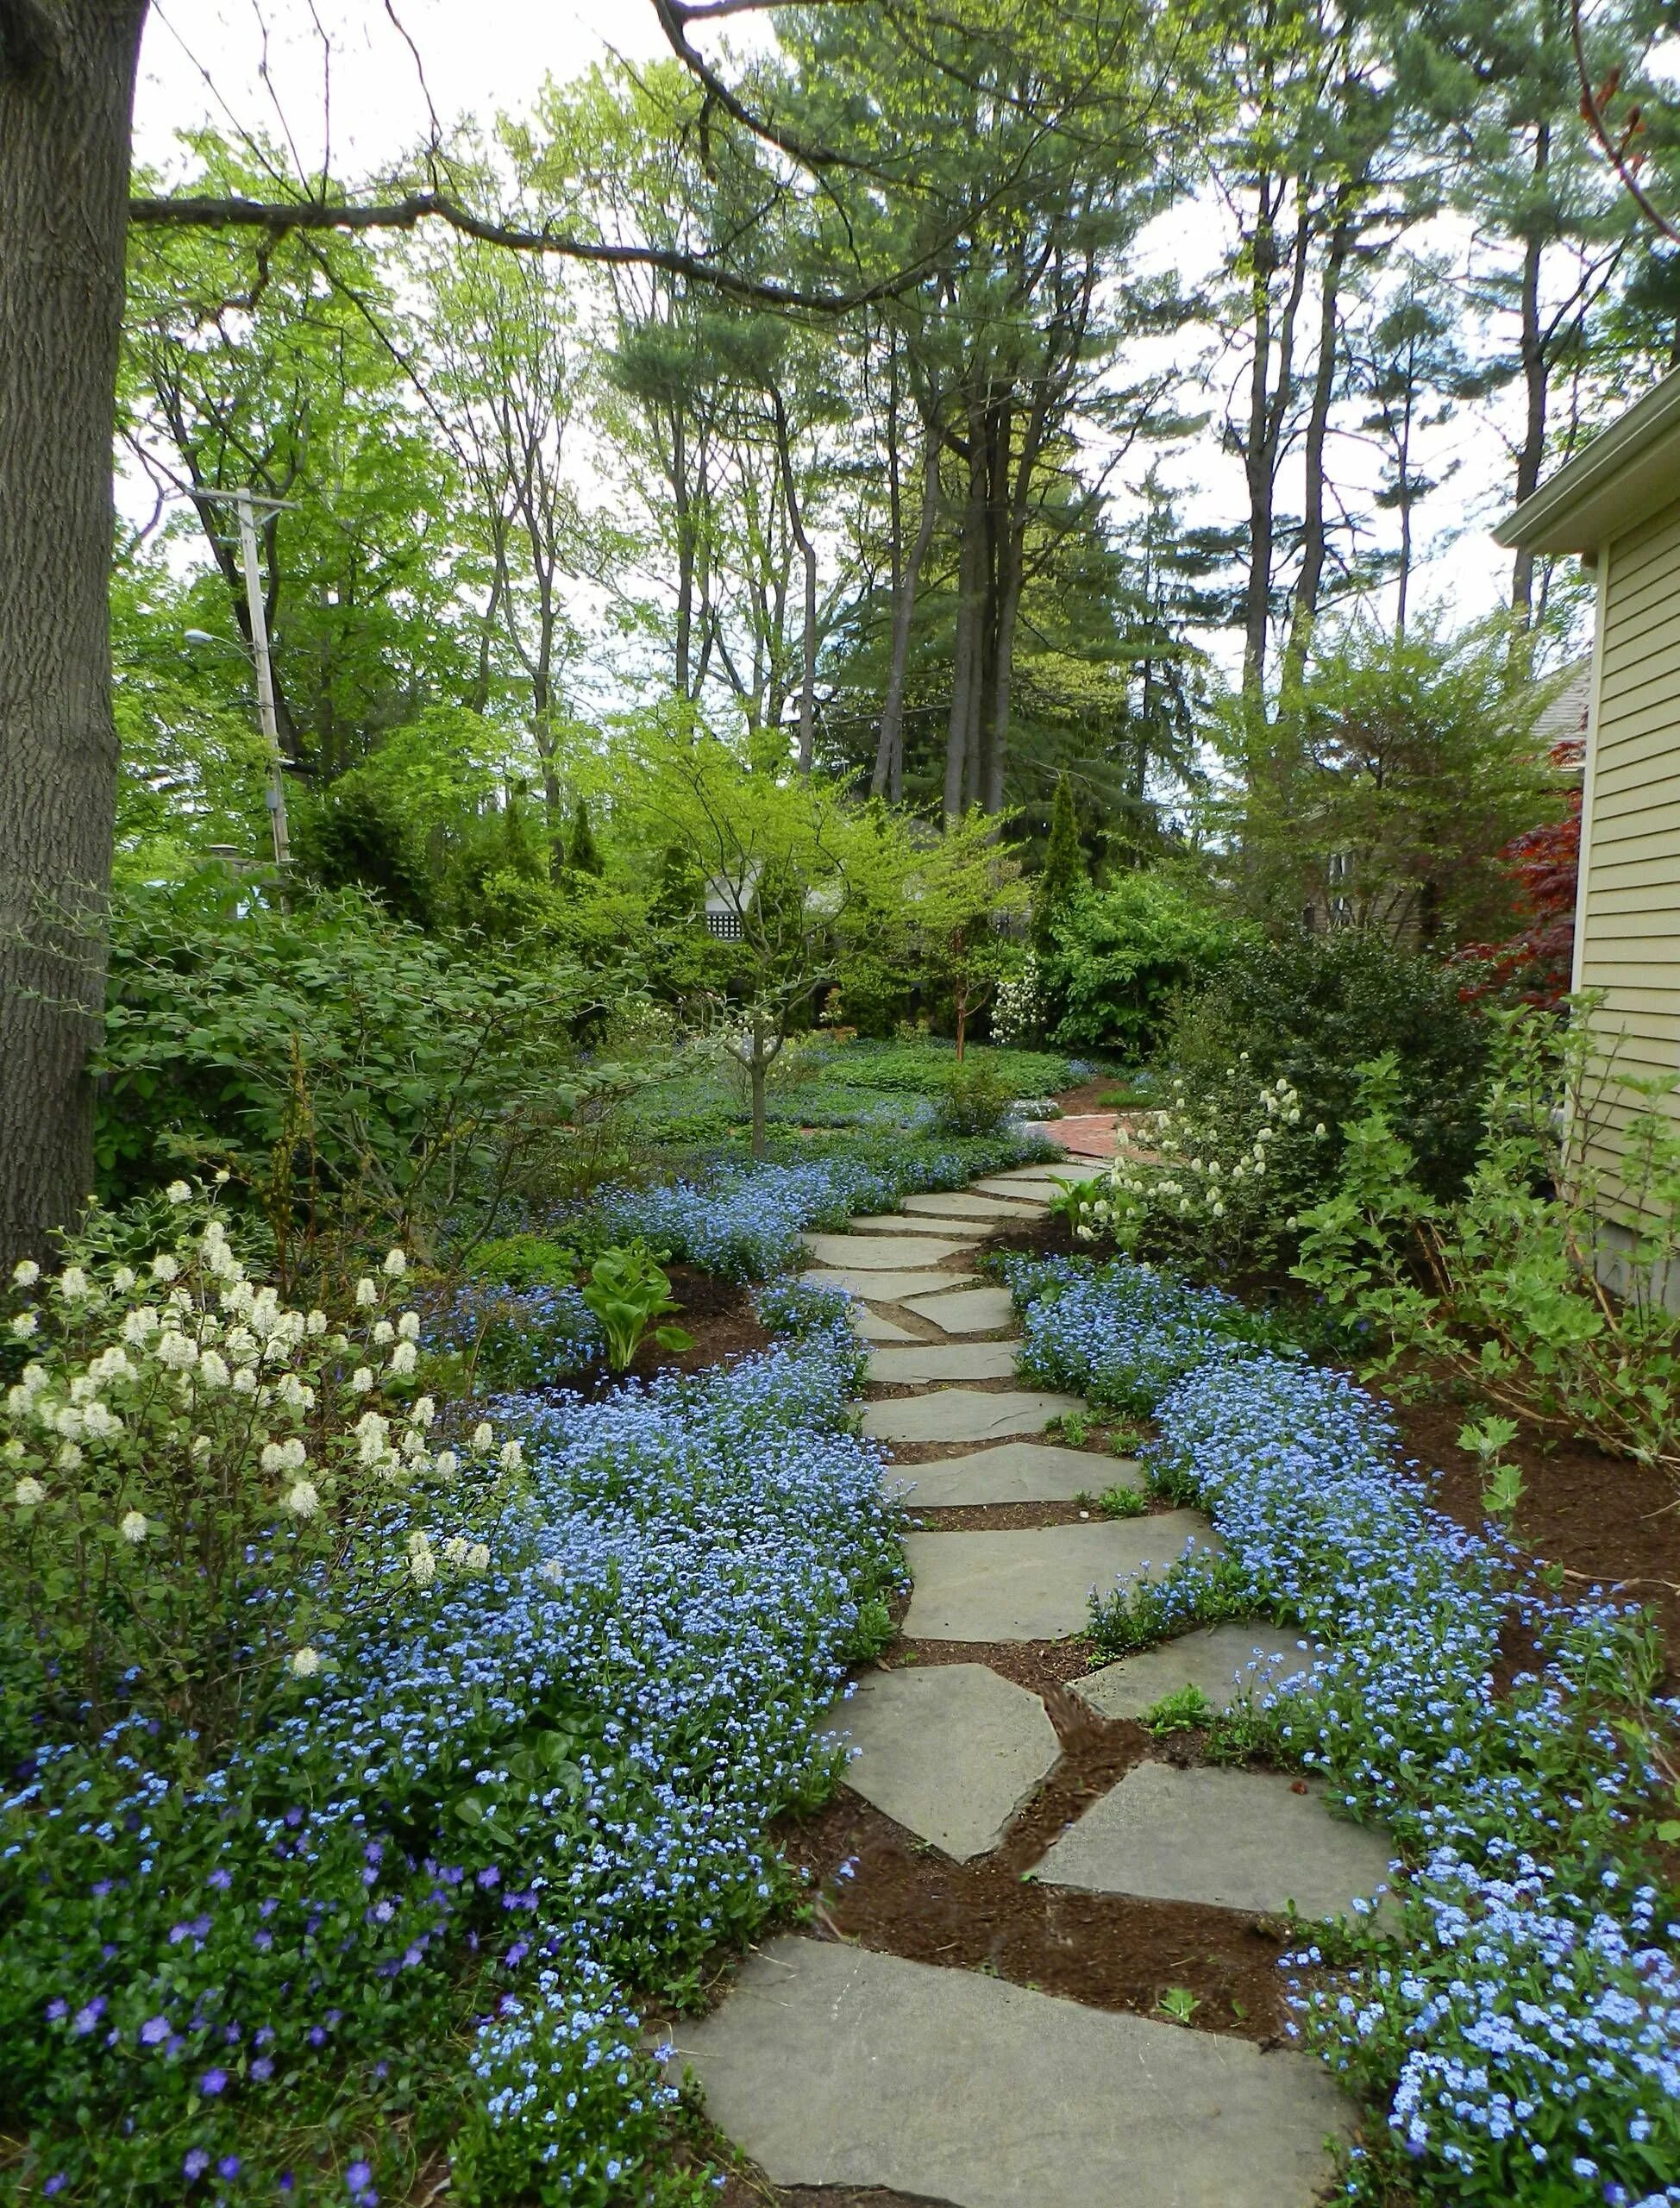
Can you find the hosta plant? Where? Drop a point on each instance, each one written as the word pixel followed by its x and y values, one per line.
pixel 200 1481
pixel 626 1291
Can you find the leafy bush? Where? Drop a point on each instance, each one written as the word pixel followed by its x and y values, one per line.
pixel 330 1056
pixel 1523 2027
pixel 1311 1008
pixel 973 1101
pixel 1500 1289
pixel 1120 956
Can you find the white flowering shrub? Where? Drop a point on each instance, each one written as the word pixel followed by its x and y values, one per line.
pixel 1224 1169
pixel 1018 1007
pixel 199 1480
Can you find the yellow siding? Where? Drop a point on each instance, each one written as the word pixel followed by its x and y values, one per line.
pixel 1630 946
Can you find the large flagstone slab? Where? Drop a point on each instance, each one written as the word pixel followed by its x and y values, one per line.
pixel 1035 1582
pixel 1218 1661
pixel 950 1751
pixel 1019 1472
pixel 887 1287
pixel 904 1223
pixel 874 1328
pixel 965 1415
pixel 964 1204
pixel 833 2065
pixel 879 1253
pixel 938 1362
pixel 971 1311
pixel 1239 1838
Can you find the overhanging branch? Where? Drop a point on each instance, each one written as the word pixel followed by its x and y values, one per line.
pixel 276 217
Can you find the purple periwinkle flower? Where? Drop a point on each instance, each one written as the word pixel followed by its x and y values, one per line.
pixel 197 2162
pixel 213 2082
pixel 229 2165
pixel 57 2011
pixel 56 2183
pixel 153 2030
pixel 88 2017
pixel 359 2175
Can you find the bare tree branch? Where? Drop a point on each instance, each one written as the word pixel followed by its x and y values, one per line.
pixel 278 217
pixel 1615 153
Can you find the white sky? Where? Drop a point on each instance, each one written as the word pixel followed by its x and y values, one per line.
pixel 203 61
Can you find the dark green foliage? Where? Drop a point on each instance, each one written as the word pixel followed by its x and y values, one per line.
pixel 1062 872
pixel 354 837
pixel 1317 1007
pixel 582 854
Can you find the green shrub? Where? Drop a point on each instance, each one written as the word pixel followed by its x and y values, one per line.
pixel 974 1100
pixel 1120 956
pixel 1313 1008
pixel 525 1261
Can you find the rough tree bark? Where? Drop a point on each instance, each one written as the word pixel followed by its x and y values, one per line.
pixel 888 774
pixel 1535 377
pixel 67 97
pixel 1310 580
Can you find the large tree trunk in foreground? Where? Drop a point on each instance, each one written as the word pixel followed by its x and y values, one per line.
pixel 67 97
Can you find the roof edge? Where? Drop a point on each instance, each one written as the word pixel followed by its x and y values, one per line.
pixel 1574 510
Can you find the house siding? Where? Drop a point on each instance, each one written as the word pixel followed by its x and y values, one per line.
pixel 1628 917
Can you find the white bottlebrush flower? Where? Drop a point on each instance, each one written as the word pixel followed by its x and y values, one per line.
pixel 243 1344
pixel 139 1325
pixel 244 1381
pixel 514 1455
pixel 414 1445
pixel 271 1459
pixel 69 1459
pixel 417 1540
pixel 403 1358
pixel 66 1419
pixel 28 1493
pixel 409 1325
pixel 165 1268
pixel 366 1291
pixel 361 1379
pixel 1294 1115
pixel 133 1528
pixel 71 1284
pixel 305 1663
pixel 424 1411
pixel 455 1550
pixel 101 1422
pixel 422 1567
pixel 25 1273
pixel 478 1557
pixel 396 1265
pixel 179 1352
pixel 552 1568
pixel 296 1393
pixel 384 1331
pixel 293 1455
pixel 316 1323
pixel 302 1499
pixel 1319 1132
pixel 178 1192
pixel 482 1436
pixel 213 1369
pixel 1218 1210
pixel 201 1446
pixel 447 1464
pixel 222 1176
pixel 23 1325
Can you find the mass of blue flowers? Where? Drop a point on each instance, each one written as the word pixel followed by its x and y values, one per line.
pixel 744 1221
pixel 417 1915
pixel 1520 2030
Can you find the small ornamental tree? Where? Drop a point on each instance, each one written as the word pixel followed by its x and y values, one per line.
pixel 809 888
pixel 1536 964
pixel 964 896
pixel 582 853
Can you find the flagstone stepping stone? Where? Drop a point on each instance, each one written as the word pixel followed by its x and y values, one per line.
pixel 1043 1177
pixel 964 1205
pixel 874 1328
pixel 887 1287
pixel 1220 1660
pixel 879 1253
pixel 971 1311
pixel 941 1361
pixel 965 1415
pixel 949 1752
pixel 1034 1583
pixel 1238 1839
pixel 1020 1471
pixel 832 2064
pixel 896 1222
pixel 1031 1196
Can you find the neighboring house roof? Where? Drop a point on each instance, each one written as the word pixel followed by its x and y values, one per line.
pixel 1622 477
pixel 1564 720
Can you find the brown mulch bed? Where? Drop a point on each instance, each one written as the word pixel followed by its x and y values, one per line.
pixel 719 1313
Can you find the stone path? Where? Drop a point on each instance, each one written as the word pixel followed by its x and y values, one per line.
pixel 834 2065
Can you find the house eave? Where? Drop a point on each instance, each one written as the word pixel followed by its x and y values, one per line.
pixel 1622 477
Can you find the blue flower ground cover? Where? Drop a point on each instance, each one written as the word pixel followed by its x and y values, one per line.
pixel 745 1221
pixel 413 1919
pixel 1521 2033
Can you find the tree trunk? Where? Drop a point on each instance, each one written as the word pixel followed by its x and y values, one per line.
pixel 966 654
pixel 807 552
pixel 888 774
pixel 1531 454
pixel 66 99
pixel 758 1068
pixel 1309 580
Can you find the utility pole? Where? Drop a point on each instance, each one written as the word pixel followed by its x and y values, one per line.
pixel 245 504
